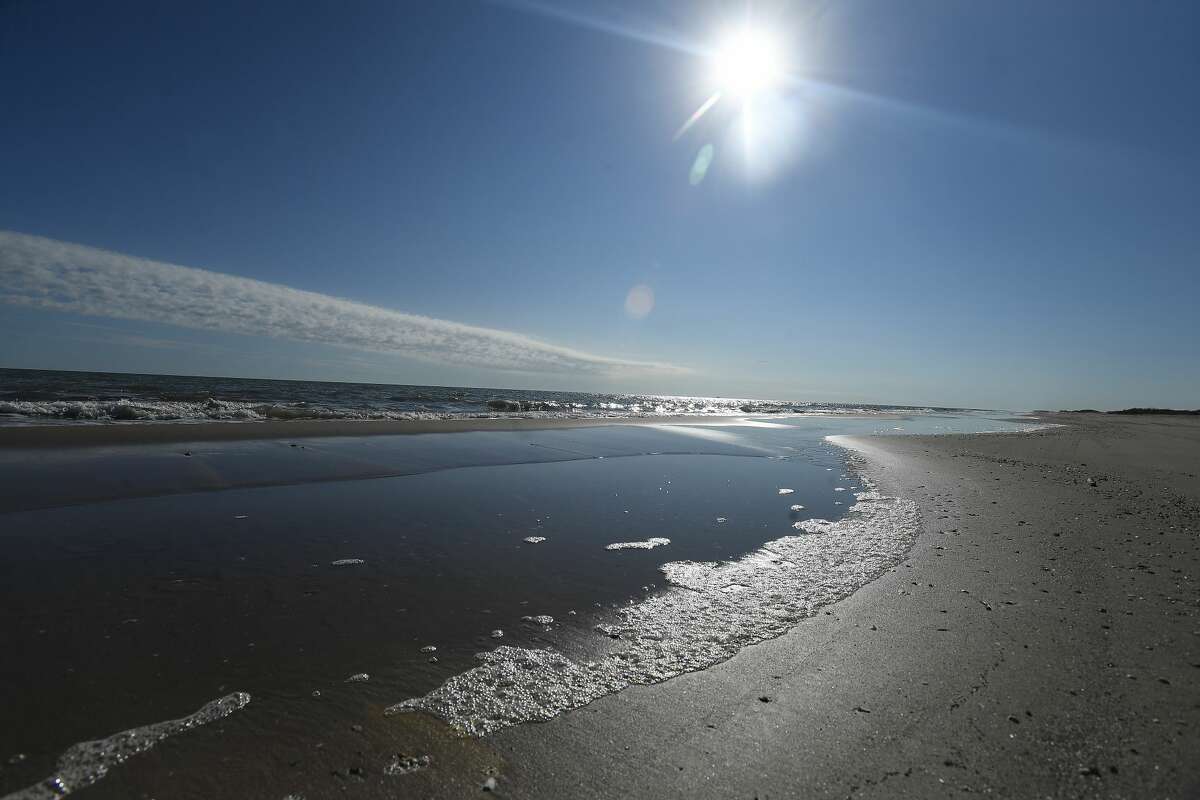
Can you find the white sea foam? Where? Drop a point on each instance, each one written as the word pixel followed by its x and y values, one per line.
pixel 403 765
pixel 649 544
pixel 87 762
pixel 709 612
pixel 150 409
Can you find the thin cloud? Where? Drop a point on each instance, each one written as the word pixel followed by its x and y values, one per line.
pixel 59 276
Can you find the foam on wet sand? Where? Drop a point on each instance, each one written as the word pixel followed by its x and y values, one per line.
pixel 87 762
pixel 648 544
pixel 709 612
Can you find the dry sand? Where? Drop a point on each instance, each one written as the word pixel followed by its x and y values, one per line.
pixel 1040 641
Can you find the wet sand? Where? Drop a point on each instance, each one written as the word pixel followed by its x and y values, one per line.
pixel 1042 639
pixel 76 435
pixel 85 435
pixel 140 584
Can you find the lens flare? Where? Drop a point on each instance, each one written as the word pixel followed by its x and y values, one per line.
pixel 639 302
pixel 700 165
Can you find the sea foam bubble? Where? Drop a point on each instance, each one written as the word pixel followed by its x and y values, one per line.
pixel 648 544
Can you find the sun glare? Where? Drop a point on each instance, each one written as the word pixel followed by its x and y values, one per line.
pixel 748 62
pixel 752 72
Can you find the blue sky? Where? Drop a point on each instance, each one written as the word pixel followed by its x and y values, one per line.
pixel 981 204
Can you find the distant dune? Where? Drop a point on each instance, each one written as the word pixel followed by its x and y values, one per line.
pixel 1164 411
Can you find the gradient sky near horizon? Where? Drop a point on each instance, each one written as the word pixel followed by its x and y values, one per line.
pixel 956 203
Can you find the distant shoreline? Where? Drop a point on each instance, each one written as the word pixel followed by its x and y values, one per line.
pixel 115 433
pixel 1162 412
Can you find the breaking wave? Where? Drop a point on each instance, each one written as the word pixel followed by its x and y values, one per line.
pixel 30 397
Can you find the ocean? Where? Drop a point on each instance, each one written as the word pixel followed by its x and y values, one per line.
pixel 40 396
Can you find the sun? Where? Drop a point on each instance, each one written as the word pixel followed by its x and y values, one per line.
pixel 749 61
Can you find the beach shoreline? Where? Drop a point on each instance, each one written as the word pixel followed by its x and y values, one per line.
pixel 1038 640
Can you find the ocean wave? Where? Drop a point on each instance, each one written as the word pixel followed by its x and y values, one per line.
pixel 31 396
pixel 210 409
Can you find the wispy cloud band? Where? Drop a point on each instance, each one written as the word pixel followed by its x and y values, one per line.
pixel 59 276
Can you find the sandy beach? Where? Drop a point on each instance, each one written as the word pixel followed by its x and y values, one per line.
pixel 1039 641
